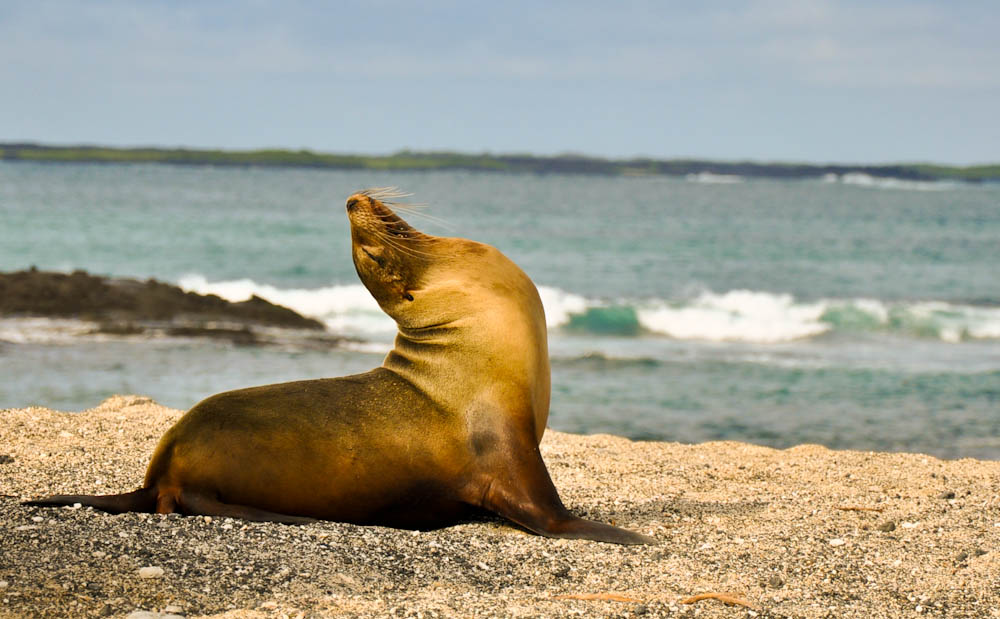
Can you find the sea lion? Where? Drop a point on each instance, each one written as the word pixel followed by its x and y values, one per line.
pixel 448 425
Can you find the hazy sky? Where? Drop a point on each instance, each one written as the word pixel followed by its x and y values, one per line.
pixel 772 80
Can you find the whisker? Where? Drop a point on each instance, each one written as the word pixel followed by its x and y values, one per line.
pixel 427 217
pixel 384 193
pixel 395 243
pixel 391 218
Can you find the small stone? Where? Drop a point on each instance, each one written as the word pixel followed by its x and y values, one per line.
pixel 150 572
pixel 947 494
pixel 909 525
pixel 962 556
pixel 776 581
pixel 106 611
pixel 98 554
pixel 173 608
pixel 482 566
pixel 5 459
pixel 561 572
pixel 37 519
pixel 142 614
pixel 887 526
pixel 640 609
pixel 978 552
pixel 837 542
pixel 4 584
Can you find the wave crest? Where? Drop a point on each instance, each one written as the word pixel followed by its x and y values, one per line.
pixel 348 309
pixel 734 316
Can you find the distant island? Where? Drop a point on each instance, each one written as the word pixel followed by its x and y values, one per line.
pixel 559 164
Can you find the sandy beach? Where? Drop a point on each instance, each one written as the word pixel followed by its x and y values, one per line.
pixel 801 532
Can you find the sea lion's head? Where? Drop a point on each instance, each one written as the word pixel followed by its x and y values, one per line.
pixel 390 256
pixel 425 281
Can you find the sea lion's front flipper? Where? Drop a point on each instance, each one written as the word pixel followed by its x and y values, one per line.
pixel 196 503
pixel 524 493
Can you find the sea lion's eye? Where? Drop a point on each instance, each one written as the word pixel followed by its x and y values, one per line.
pixel 407 296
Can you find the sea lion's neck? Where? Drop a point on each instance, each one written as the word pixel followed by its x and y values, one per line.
pixel 441 362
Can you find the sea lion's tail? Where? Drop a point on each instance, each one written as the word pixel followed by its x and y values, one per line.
pixel 141 500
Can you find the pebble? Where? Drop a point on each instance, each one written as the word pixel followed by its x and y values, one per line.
pixel 837 542
pixel 150 572
pixel 776 581
pixel 947 494
pixel 4 584
pixel 150 614
pixel 887 526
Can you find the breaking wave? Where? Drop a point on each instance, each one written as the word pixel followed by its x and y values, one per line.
pixel 734 316
pixel 861 179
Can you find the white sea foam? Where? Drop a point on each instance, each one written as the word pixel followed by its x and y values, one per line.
pixel 712 178
pixel 43 330
pixel 739 315
pixel 735 316
pixel 346 308
pixel 867 180
pixel 560 305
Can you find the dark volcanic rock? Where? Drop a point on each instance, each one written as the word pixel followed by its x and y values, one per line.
pixel 124 304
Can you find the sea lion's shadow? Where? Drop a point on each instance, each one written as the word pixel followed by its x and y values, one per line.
pixel 635 513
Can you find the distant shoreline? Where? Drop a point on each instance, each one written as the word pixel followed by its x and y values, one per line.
pixel 520 163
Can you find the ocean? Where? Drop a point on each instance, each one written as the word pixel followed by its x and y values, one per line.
pixel 850 311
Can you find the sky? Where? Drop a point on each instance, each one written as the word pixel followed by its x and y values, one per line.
pixel 782 80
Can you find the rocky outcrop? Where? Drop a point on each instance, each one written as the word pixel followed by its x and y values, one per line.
pixel 123 306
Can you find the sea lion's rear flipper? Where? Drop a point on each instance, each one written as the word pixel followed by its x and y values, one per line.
pixel 526 495
pixel 141 500
pixel 199 504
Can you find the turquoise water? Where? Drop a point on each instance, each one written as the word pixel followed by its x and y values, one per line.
pixel 852 312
